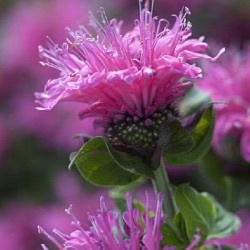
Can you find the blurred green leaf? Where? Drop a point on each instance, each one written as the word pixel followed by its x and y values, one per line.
pixel 212 168
pixel 226 223
pixel 237 192
pixel 26 163
pixel 215 247
pixel 193 101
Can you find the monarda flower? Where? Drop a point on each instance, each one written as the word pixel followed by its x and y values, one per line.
pixel 131 82
pixel 228 81
pixel 133 230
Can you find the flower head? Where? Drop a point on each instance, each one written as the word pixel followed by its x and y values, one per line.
pixel 228 81
pixel 138 230
pixel 130 81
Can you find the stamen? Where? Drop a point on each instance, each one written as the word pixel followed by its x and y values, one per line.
pixel 51 238
pixel 75 221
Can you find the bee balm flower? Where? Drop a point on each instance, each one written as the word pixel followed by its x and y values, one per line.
pixel 130 81
pixel 134 229
pixel 228 81
pixel 139 230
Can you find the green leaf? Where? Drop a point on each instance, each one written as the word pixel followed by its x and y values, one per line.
pixel 179 139
pixel 96 165
pixel 203 213
pixel 198 211
pixel 179 222
pixel 172 236
pixel 173 139
pixel 175 234
pixel 226 223
pixel 201 136
pixel 211 166
pixel 237 192
pixel 100 164
pixel 193 100
pixel 132 163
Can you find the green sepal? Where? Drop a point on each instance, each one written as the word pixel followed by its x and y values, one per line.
pixel 201 136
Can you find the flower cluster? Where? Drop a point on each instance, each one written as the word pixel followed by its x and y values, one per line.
pixel 130 82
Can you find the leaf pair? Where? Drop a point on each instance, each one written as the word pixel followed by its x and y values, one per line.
pixel 100 164
pixel 199 214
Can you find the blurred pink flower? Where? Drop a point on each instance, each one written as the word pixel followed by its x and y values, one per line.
pixel 142 229
pixel 19 220
pixel 25 27
pixel 228 81
pixel 14 223
pixel 29 23
pixel 83 201
pixel 57 130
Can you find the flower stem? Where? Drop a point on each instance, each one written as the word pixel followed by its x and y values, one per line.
pixel 161 184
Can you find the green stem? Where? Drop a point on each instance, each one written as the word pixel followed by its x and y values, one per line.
pixel 161 184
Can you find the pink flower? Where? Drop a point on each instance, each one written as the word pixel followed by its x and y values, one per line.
pixel 142 229
pixel 19 219
pixel 130 81
pixel 26 26
pixel 29 23
pixel 228 81
pixel 18 222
